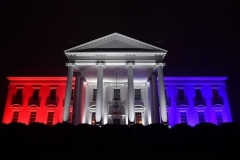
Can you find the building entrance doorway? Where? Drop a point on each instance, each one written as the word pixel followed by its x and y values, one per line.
pixel 116 121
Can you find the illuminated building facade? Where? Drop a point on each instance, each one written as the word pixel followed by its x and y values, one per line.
pixel 117 80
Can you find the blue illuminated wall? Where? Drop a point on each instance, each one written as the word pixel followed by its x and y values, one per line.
pixel 215 110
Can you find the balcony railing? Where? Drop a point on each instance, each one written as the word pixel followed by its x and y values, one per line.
pixel 34 102
pixel 198 102
pixel 182 101
pixel 17 101
pixel 217 101
pixel 51 101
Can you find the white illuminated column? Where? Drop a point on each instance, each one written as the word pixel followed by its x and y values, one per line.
pixel 67 101
pixel 131 114
pixel 80 101
pixel 162 96
pixel 99 100
pixel 76 100
pixel 155 109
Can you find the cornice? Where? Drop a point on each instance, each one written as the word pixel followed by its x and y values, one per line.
pixel 38 78
pixel 82 54
pixel 195 78
pixel 165 78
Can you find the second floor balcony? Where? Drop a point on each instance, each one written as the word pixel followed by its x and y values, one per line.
pixel 199 101
pixel 34 102
pixel 182 101
pixel 216 101
pixel 16 100
pixel 52 101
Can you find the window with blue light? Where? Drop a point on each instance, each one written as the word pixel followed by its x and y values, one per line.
pixel 181 96
pixel 183 117
pixel 201 117
pixel 219 117
pixel 198 93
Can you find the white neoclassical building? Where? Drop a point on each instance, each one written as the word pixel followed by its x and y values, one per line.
pixel 117 70
pixel 117 80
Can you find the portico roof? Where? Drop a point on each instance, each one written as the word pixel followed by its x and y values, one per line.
pixel 115 45
pixel 115 50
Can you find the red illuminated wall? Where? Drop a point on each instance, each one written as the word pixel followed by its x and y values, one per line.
pixel 44 84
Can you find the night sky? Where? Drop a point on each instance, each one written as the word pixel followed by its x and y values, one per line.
pixel 197 34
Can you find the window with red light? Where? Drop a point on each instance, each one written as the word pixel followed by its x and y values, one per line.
pixel 32 117
pixel 138 117
pixel 53 95
pixel 19 94
pixel 50 118
pixel 35 95
pixel 15 116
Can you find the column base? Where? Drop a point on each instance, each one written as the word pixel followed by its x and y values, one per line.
pixel 130 123
pixel 165 123
pixel 99 123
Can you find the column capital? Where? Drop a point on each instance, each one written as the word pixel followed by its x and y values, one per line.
pixel 100 63
pixel 70 64
pixel 130 63
pixel 160 64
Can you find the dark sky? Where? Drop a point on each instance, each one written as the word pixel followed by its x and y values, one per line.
pixel 197 34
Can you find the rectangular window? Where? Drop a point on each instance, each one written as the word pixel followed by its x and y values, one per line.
pixel 53 95
pixel 137 94
pixel 215 94
pixel 32 117
pixel 15 116
pixel 94 94
pixel 70 117
pixel 116 95
pixel 50 118
pixel 181 96
pixel 19 94
pixel 201 117
pixel 198 93
pixel 35 95
pixel 93 118
pixel 219 117
pixel 138 117
pixel 183 117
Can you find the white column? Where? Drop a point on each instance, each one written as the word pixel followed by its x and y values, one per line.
pixel 155 107
pixel 99 101
pixel 76 99
pixel 80 106
pixel 68 93
pixel 131 113
pixel 162 96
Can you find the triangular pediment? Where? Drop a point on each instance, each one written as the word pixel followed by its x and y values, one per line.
pixel 114 42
